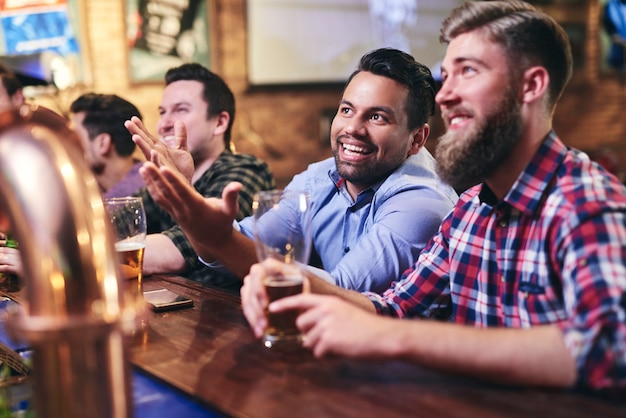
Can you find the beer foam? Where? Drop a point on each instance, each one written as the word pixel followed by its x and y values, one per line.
pixel 122 246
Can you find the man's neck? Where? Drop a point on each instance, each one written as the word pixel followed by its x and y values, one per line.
pixel 114 172
pixel 507 172
pixel 202 167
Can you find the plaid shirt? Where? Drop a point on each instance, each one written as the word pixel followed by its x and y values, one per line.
pixel 553 251
pixel 253 173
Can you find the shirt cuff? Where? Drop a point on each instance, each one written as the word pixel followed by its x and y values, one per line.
pixel 216 264
pixel 322 274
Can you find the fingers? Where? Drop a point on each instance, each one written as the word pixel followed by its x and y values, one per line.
pixel 140 135
pixel 180 134
pixel 302 301
pixel 230 196
pixel 160 188
pixel 254 300
pixel 10 261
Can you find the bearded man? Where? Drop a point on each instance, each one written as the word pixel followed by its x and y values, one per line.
pixel 527 274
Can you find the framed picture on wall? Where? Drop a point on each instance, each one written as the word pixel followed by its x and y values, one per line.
pixel 321 41
pixel 42 42
pixel 163 34
pixel 613 37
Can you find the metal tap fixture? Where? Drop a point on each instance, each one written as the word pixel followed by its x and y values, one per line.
pixel 73 316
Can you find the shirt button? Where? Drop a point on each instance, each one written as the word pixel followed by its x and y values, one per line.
pixel 502 278
pixel 503 224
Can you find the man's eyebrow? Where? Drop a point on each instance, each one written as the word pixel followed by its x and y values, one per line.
pixel 177 104
pixel 385 109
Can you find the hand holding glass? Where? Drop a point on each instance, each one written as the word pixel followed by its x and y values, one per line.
pixel 282 230
pixel 128 220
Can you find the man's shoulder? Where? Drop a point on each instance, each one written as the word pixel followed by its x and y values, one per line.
pixel 418 173
pixel 131 184
pixel 235 159
pixel 247 169
pixel 321 168
pixel 317 174
pixel 581 180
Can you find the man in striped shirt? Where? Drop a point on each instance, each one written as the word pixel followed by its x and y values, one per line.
pixel 527 274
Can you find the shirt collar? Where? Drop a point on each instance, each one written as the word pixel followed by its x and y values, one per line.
pixel 534 183
pixel 340 183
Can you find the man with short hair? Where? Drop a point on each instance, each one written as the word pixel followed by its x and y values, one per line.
pixel 98 119
pixel 375 203
pixel 196 116
pixel 527 274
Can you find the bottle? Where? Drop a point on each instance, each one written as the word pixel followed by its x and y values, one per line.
pixel 9 282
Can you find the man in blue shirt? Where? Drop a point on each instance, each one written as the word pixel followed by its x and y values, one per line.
pixel 375 204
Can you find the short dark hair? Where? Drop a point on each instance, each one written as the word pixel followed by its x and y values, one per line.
pixel 9 80
pixel 402 67
pixel 106 113
pixel 529 37
pixel 216 92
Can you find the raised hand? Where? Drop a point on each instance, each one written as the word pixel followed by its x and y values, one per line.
pixel 206 221
pixel 177 157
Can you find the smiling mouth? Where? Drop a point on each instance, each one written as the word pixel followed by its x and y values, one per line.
pixel 457 119
pixel 349 149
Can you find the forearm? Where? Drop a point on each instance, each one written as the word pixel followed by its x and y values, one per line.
pixel 237 253
pixel 322 287
pixel 162 256
pixel 535 356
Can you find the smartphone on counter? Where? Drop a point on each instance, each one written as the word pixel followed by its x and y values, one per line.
pixel 165 300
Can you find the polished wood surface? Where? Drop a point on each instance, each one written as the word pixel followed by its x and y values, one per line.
pixel 209 352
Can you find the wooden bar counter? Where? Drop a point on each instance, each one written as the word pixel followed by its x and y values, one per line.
pixel 210 353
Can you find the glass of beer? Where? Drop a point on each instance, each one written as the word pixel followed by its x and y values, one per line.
pixel 282 230
pixel 128 220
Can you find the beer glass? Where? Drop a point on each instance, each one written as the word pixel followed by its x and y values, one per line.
pixel 128 220
pixel 282 230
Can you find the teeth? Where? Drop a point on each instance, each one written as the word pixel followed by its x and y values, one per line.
pixel 456 119
pixel 353 148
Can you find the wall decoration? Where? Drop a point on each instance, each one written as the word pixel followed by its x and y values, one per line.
pixel 165 33
pixel 321 41
pixel 43 39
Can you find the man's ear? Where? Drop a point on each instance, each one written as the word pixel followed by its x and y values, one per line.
pixel 223 119
pixel 536 82
pixel 102 143
pixel 419 136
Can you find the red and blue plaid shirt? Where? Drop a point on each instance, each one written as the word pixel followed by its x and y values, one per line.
pixel 553 251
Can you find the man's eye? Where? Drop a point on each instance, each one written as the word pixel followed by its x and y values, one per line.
pixel 468 70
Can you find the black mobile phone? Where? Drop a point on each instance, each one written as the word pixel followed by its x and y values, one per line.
pixel 165 300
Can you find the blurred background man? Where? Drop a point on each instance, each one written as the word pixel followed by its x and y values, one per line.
pixel 98 119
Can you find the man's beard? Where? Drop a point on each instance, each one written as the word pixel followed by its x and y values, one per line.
pixel 370 173
pixel 466 158
pixel 97 168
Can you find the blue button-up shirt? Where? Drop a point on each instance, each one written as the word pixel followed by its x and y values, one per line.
pixel 367 242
